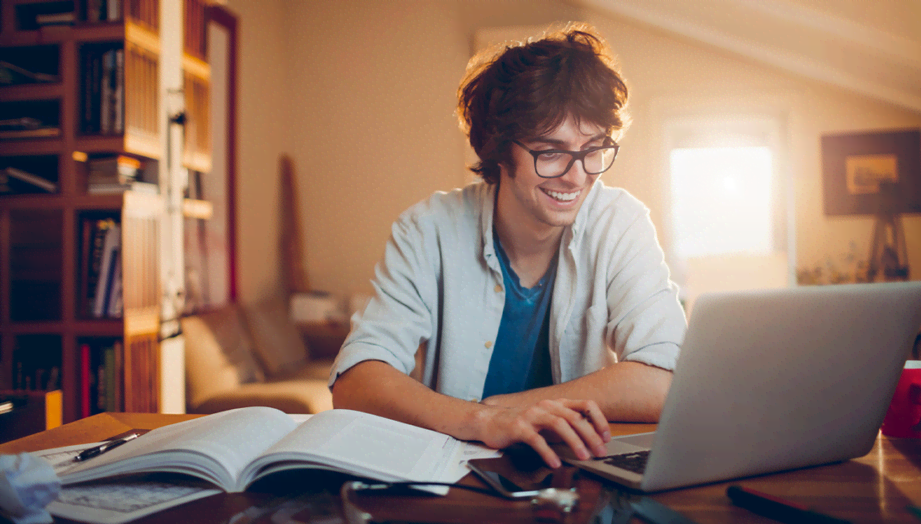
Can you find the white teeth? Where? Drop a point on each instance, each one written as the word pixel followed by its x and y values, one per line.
pixel 565 197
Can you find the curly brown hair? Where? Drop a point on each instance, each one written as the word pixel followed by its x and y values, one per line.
pixel 524 91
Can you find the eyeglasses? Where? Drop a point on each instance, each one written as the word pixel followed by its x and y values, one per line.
pixel 554 163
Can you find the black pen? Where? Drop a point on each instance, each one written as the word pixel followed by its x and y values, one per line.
pixel 102 448
pixel 777 508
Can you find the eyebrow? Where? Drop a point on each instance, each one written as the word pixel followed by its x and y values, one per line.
pixel 560 143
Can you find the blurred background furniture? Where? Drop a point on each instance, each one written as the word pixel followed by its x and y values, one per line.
pixel 23 413
pixel 252 355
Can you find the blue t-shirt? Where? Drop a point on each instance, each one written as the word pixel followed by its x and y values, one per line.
pixel 521 358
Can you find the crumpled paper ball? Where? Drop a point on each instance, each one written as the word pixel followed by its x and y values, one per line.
pixel 27 485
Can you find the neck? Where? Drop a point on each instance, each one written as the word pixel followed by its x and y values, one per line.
pixel 529 244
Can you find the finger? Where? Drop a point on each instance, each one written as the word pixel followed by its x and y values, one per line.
pixel 543 449
pixel 583 417
pixel 592 413
pixel 564 424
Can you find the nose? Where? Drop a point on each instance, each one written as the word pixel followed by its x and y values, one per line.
pixel 576 174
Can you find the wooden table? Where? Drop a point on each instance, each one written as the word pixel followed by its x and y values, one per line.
pixel 874 488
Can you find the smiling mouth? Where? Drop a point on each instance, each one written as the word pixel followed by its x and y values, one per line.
pixel 561 197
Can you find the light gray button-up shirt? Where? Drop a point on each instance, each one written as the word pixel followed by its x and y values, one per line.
pixel 440 284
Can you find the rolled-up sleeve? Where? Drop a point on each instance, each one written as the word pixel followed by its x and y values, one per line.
pixel 646 322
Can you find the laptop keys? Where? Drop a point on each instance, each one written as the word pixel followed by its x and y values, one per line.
pixel 635 462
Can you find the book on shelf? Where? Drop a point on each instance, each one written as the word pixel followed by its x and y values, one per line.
pixel 103 91
pixel 140 187
pixel 107 268
pixel 100 280
pixel 233 449
pixel 45 19
pixel 12 74
pixel 85 381
pixel 29 178
pixel 100 362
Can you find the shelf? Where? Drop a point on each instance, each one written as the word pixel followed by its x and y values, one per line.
pixel 87 32
pixel 31 92
pixel 131 142
pixel 32 146
pixel 25 327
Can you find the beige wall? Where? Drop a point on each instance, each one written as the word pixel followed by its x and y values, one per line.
pixel 366 111
pixel 263 128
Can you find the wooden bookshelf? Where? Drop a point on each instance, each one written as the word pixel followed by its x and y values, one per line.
pixel 99 91
pixel 196 74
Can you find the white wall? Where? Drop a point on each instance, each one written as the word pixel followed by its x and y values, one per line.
pixel 368 119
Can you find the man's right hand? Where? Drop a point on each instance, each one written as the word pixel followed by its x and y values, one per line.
pixel 578 423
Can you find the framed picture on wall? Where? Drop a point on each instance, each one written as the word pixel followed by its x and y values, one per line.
pixel 855 165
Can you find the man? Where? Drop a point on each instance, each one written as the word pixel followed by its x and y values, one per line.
pixel 541 297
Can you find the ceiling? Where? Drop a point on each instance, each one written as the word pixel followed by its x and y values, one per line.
pixel 869 47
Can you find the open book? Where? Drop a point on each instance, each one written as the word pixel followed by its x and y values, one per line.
pixel 233 449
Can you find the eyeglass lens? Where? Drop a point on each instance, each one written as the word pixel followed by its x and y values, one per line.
pixel 556 164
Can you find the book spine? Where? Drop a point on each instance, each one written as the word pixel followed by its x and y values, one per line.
pixel 86 235
pixel 119 372
pixel 114 300
pixel 119 92
pixel 109 358
pixel 87 123
pixel 105 96
pixel 84 380
pixel 109 252
pixel 95 90
pixel 95 263
pixel 99 368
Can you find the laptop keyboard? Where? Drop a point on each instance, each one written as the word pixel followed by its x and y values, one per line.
pixel 635 462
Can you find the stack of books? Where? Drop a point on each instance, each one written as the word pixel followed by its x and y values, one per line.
pixel 116 174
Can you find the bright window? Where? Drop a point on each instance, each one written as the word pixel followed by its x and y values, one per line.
pixel 722 201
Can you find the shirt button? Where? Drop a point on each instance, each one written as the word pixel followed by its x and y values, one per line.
pixel 488 344
pixel 498 288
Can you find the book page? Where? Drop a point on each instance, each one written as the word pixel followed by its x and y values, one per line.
pixel 215 448
pixel 364 445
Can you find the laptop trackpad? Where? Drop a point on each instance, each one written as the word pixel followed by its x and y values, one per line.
pixel 630 443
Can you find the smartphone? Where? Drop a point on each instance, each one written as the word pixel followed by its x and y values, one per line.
pixel 509 481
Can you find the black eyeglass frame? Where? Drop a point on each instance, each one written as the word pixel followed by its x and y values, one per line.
pixel 609 143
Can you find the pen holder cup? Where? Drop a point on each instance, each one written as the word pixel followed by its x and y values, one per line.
pixel 903 419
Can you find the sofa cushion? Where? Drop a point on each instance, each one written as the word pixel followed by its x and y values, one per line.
pixel 290 396
pixel 218 354
pixel 278 344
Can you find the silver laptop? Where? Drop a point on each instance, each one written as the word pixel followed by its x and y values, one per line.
pixel 773 380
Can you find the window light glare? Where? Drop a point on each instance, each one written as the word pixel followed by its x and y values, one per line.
pixel 721 200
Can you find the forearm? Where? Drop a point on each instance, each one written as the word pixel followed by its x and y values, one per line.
pixel 625 392
pixel 376 387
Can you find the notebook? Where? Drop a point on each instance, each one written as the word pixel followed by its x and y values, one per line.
pixel 773 380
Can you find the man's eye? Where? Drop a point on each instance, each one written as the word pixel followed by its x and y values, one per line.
pixel 550 155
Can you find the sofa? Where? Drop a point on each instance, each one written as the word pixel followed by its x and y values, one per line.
pixel 251 355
